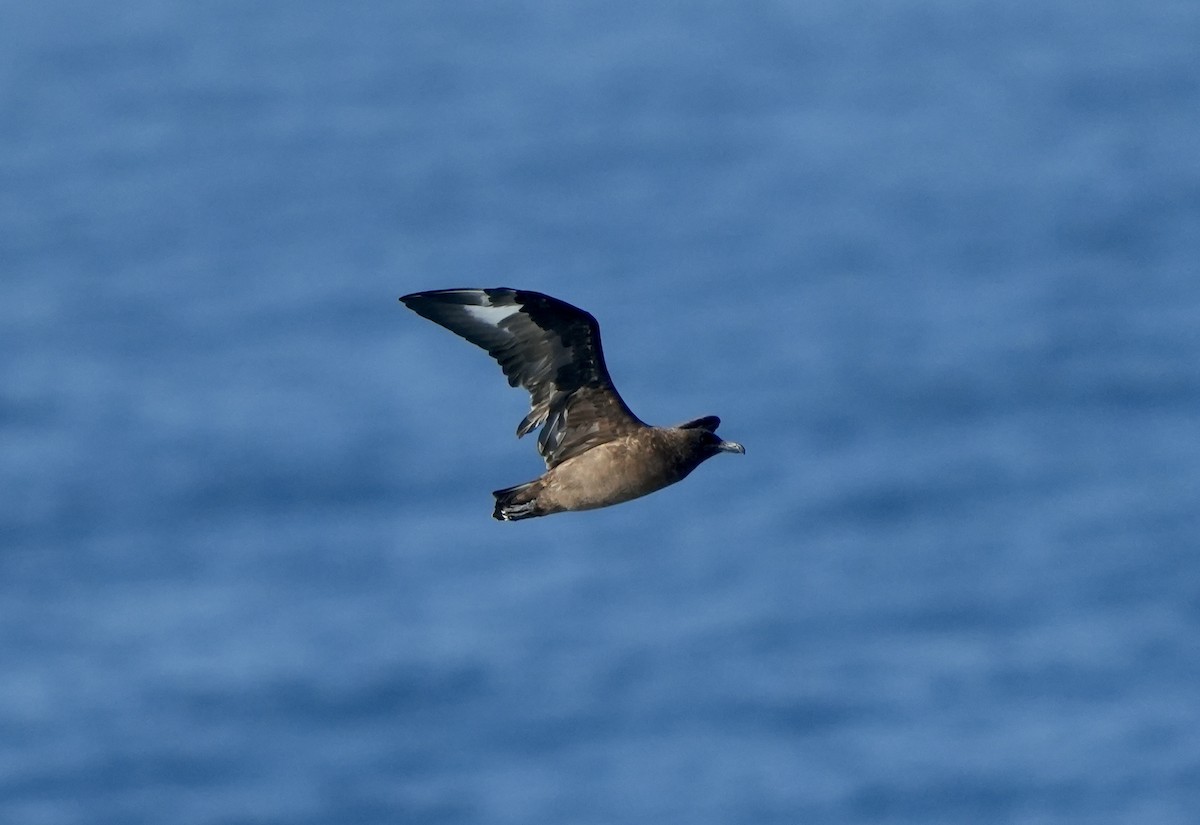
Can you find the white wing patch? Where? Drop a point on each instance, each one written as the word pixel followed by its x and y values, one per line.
pixel 492 316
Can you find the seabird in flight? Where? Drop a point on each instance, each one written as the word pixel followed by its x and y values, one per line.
pixel 597 451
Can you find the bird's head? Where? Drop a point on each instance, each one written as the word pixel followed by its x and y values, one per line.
pixel 704 433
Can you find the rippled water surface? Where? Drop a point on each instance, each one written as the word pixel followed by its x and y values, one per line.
pixel 933 263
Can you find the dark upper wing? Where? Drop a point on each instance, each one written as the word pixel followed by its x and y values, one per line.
pixel 548 347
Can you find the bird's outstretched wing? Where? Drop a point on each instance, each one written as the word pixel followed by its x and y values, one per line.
pixel 550 348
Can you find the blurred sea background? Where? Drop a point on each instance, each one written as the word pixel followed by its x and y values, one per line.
pixel 934 262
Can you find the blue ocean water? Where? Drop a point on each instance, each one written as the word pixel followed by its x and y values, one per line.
pixel 934 264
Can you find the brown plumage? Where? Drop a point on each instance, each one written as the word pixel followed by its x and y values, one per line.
pixel 597 451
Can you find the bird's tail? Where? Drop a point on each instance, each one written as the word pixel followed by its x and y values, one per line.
pixel 516 503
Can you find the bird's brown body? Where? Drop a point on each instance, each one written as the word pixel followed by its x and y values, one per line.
pixel 631 466
pixel 597 452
